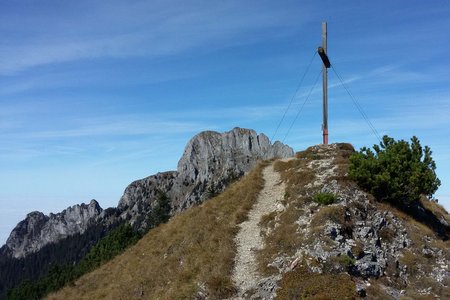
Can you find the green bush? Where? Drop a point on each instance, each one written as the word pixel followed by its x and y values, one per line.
pixel 325 198
pixel 396 171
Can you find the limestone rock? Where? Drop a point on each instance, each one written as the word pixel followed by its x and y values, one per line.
pixel 211 160
pixel 210 154
pixel 37 229
pixel 138 197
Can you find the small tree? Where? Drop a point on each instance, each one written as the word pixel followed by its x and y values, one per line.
pixel 212 191
pixel 161 211
pixel 396 171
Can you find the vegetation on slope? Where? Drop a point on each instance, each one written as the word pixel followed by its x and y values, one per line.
pixel 305 224
pixel 192 253
pixel 396 171
pixel 297 176
pixel 417 261
pixel 68 251
pixel 301 284
pixel 402 174
pixel 115 242
pixel 325 198
pixel 108 247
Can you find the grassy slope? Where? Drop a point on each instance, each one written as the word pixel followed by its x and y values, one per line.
pixel 194 247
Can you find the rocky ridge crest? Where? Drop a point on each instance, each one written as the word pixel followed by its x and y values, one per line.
pixel 384 250
pixel 37 229
pixel 210 161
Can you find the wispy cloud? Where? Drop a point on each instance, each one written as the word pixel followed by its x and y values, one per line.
pixel 123 125
pixel 75 137
pixel 152 29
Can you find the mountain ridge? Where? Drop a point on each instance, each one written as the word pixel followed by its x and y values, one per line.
pixel 37 229
pixel 354 247
pixel 209 158
pixel 210 162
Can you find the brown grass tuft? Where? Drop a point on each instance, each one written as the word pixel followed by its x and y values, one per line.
pixel 333 213
pixel 435 208
pixel 376 291
pixel 284 237
pixel 301 284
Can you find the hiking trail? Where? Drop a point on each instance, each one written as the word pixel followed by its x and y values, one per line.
pixel 249 240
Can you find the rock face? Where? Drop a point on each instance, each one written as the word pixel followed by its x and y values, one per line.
pixel 210 161
pixel 37 229
pixel 381 248
pixel 210 155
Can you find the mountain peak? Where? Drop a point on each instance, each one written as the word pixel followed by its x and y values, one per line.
pixel 211 160
pixel 38 230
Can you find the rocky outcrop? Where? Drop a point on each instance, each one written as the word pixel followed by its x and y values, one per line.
pixel 210 161
pixel 383 249
pixel 37 229
pixel 139 197
pixel 210 155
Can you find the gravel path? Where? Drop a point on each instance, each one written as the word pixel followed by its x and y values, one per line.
pixel 249 239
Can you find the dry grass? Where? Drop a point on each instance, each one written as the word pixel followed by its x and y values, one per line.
pixel 335 214
pixel 387 234
pixel 301 284
pixel 284 238
pixel 418 265
pixel 416 230
pixel 426 283
pixel 268 221
pixel 341 160
pixel 414 261
pixel 358 250
pixel 435 208
pixel 295 173
pixel 376 292
pixel 194 248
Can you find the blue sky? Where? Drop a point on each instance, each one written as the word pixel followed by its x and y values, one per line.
pixel 96 94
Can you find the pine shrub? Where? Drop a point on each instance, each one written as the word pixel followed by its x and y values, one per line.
pixel 395 171
pixel 325 198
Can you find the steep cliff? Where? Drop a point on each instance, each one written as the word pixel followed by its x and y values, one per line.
pixel 37 229
pixel 210 161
